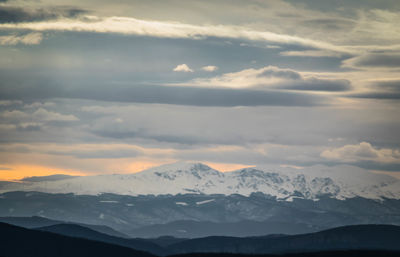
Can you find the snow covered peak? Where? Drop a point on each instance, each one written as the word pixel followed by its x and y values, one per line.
pixel 179 166
pixel 340 182
pixel 180 169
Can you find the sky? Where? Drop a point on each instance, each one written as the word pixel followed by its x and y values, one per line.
pixel 101 87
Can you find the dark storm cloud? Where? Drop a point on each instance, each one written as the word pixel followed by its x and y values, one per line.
pixel 158 138
pixel 393 85
pixel 348 4
pixel 163 138
pixel 329 24
pixel 179 95
pixel 386 60
pixel 10 14
pixel 315 84
pixel 370 165
pixel 378 95
pixel 382 90
pixel 100 154
pixel 195 96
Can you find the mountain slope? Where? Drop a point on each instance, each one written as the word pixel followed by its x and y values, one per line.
pixel 360 237
pixel 22 242
pixel 340 182
pixel 128 213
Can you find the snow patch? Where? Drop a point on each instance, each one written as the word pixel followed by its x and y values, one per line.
pixel 181 203
pixel 204 202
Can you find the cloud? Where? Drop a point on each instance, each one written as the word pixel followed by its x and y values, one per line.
pixel 11 14
pixel 7 127
pixel 132 26
pixel 33 38
pixel 40 114
pixel 162 94
pixel 45 115
pixel 315 84
pixel 99 153
pixel 10 102
pixel 14 114
pixel 39 104
pixel 29 126
pixel 311 53
pixel 362 152
pixel 377 95
pixel 383 89
pixel 391 85
pixel 374 60
pixel 272 78
pixel 330 24
pixel 183 68
pixel 209 68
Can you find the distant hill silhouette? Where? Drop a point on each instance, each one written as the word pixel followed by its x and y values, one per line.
pixel 21 242
pixel 198 229
pixel 165 241
pixel 365 237
pixel 352 253
pixel 74 230
pixel 36 222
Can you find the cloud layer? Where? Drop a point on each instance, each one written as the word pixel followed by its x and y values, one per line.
pixel 271 77
pixel 33 38
pixel 362 152
pixel 100 87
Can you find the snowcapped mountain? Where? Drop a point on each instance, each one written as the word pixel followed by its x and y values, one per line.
pixel 338 182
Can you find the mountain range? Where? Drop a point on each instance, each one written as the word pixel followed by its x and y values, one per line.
pixel 192 200
pixel 283 183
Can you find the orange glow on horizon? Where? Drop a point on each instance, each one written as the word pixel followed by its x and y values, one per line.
pixel 17 172
pixel 224 167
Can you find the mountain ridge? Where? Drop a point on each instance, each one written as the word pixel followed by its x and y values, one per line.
pixel 355 237
pixel 284 183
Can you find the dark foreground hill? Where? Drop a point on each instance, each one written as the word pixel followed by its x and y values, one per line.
pixel 74 230
pixel 22 242
pixel 36 222
pixel 350 241
pixel 359 237
pixel 352 253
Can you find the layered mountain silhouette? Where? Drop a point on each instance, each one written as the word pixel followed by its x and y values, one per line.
pixel 198 215
pixel 22 242
pixel 74 230
pixel 360 240
pixel 37 222
pixel 365 237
